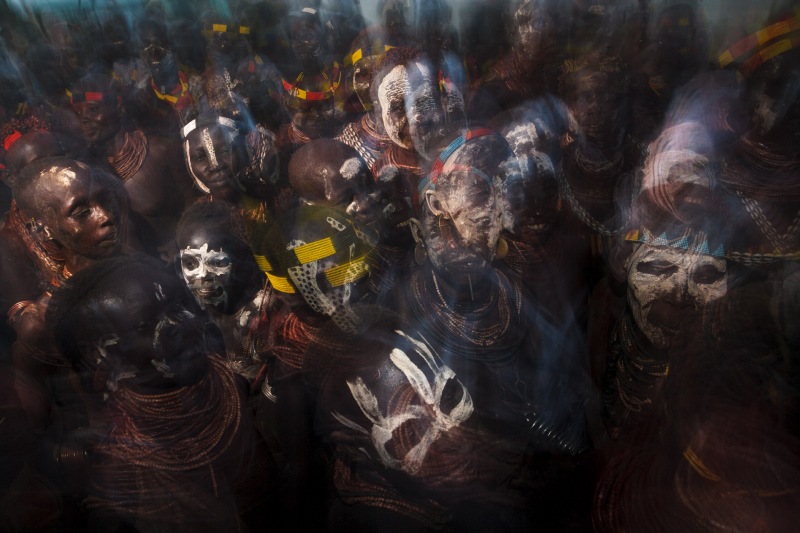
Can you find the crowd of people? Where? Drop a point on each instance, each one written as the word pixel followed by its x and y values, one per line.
pixel 478 266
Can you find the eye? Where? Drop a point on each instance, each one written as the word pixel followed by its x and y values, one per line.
pixel 79 212
pixel 189 263
pixel 708 274
pixel 657 268
pixel 220 262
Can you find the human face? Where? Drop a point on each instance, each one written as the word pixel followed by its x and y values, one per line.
pixel 82 213
pixel 664 284
pixel 535 29
pixel 391 95
pixel 425 111
pixel 207 264
pixel 595 106
pixel 773 97
pixel 99 121
pixel 534 202
pixel 465 239
pixel 152 333
pixel 212 160
pixel 363 73
pixel 306 39
pixel 315 119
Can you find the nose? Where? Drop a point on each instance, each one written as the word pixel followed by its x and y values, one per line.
pixel 104 217
pixel 678 294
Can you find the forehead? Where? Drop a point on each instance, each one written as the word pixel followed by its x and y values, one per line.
pixel 197 235
pixel 395 82
pixel 219 135
pixel 676 256
pixel 60 180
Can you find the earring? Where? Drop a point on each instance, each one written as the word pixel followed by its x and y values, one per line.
pixel 420 254
pixel 502 248
pixel 47 234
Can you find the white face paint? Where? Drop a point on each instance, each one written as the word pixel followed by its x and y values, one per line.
pixel 334 302
pixel 665 283
pixel 391 95
pixel 207 273
pixel 209 144
pixel 428 376
pixel 475 213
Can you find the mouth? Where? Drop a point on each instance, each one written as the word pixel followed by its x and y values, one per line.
pixel 89 132
pixel 110 239
pixel 207 293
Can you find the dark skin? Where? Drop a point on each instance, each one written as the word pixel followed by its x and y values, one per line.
pixel 83 217
pixel 154 332
pixel 157 200
pixel 215 168
pixel 244 281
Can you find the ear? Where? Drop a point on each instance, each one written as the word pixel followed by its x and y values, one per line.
pixel 416 230
pixel 435 204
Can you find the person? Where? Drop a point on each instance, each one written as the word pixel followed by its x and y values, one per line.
pixel 687 467
pixel 418 111
pixel 326 172
pixel 235 77
pixel 160 98
pixel 79 213
pixel 530 67
pixel 138 160
pixel 761 168
pixel 232 161
pixel 311 84
pixel 449 398
pixel 317 260
pixel 678 266
pixel 365 60
pixel 217 264
pixel 152 366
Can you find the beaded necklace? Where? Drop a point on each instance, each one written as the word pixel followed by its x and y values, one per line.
pixel 488 332
pixel 130 152
pixel 180 430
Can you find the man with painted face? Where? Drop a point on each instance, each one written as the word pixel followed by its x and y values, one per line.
pixel 232 162
pixel 416 106
pixel 217 265
pixel 149 359
pixel 522 372
pixel 673 273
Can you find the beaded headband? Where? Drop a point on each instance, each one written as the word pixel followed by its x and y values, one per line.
pixel 222 121
pixel 76 98
pixel 11 139
pixel 302 94
pixel 754 50
pixel 429 182
pixel 688 240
